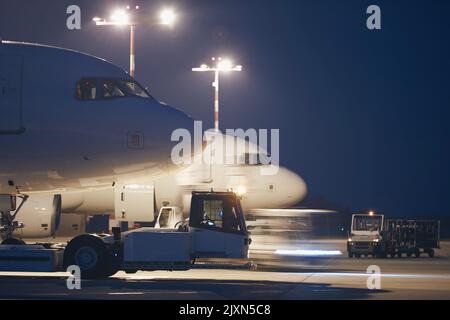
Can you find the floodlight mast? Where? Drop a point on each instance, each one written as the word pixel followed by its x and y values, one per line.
pixel 222 65
pixel 120 17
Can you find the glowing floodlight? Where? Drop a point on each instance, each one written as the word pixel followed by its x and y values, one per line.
pixel 120 17
pixel 167 17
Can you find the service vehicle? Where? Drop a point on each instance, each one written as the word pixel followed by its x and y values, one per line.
pixel 372 234
pixel 215 229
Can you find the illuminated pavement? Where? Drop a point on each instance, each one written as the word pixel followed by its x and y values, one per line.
pixel 288 278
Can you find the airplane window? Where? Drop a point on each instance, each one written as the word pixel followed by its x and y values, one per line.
pixel 254 159
pixel 110 89
pixel 86 89
pixel 134 89
pixel 251 159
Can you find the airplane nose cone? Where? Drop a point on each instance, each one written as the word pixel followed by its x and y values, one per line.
pixel 295 187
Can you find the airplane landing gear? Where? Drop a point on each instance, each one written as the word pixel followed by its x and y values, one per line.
pixel 7 221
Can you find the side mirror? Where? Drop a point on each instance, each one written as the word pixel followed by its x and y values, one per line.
pixel 7 203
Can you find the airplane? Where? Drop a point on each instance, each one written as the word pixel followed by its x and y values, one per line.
pixel 72 121
pixel 133 190
pixel 142 201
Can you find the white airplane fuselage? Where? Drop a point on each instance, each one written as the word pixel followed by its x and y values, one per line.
pixel 50 140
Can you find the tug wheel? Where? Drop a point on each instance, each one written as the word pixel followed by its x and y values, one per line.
pixel 90 254
pixel 13 241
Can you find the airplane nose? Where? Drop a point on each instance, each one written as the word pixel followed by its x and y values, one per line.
pixel 171 124
pixel 176 129
pixel 295 187
pixel 178 119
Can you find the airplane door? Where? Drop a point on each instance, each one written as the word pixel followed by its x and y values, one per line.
pixel 134 203
pixel 10 94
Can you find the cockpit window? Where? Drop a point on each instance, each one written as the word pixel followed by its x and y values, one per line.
pixel 86 89
pixel 252 159
pixel 134 89
pixel 108 88
pixel 111 89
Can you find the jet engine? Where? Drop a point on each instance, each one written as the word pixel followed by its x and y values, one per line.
pixel 40 216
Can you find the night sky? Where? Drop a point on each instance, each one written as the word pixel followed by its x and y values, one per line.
pixel 363 115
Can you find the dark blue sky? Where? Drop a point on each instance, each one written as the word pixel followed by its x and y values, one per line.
pixel 363 115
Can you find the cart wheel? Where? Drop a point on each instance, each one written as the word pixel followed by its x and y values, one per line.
pixel 431 253
pixel 131 271
pixel 417 253
pixel 13 241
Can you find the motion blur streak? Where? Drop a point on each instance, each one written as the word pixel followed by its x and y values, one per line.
pixel 309 253
pixel 386 275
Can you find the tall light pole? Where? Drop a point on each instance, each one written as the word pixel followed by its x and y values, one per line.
pixel 132 54
pixel 121 17
pixel 221 65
